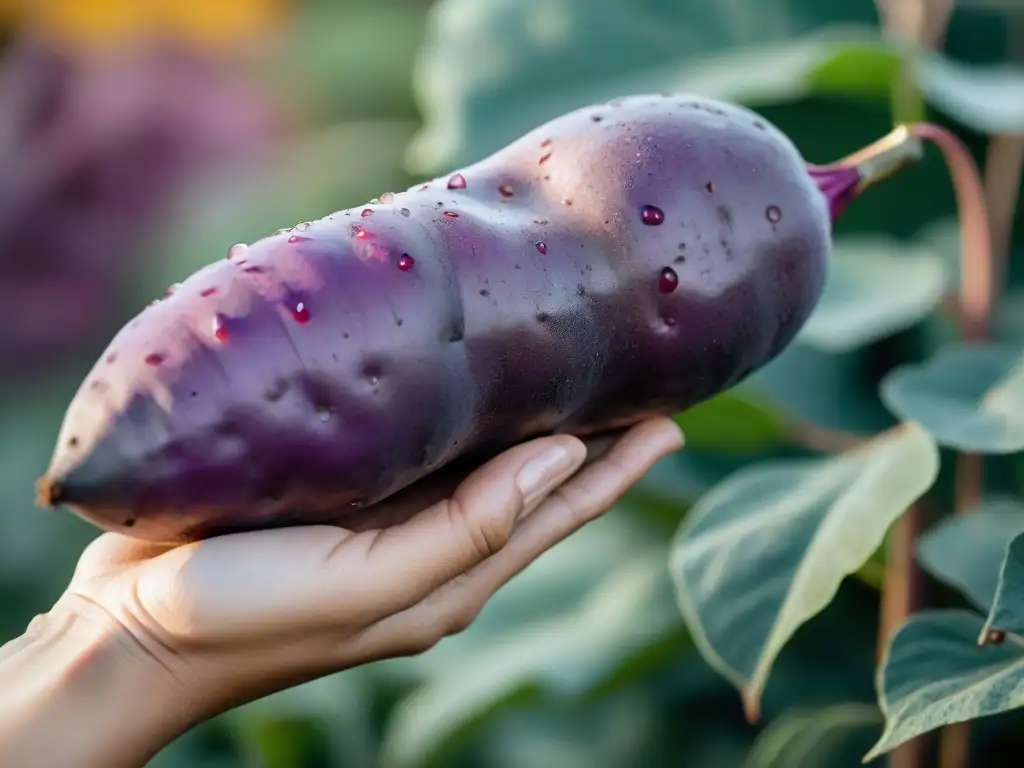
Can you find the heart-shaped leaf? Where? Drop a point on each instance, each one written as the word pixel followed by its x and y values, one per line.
pixel 1007 614
pixel 490 70
pixel 875 288
pixel 964 551
pixel 970 397
pixel 989 99
pixel 767 549
pixel 935 674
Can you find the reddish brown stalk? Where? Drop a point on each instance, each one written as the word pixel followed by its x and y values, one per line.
pixel 979 275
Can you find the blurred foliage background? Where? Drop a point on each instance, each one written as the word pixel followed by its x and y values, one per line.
pixel 139 140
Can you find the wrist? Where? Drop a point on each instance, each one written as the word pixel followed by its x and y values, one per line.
pixel 75 696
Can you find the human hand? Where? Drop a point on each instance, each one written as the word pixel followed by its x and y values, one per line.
pixel 230 619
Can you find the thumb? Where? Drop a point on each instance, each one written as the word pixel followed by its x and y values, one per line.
pixel 406 563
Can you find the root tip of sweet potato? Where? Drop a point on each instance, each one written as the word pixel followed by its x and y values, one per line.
pixel 49 492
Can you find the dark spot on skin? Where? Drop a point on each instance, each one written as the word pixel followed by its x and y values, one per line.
pixel 484 292
pixel 372 373
pixel 193 393
pixel 596 118
pixel 543 317
pixel 710 187
pixel 580 290
pixel 724 216
pixel 276 391
pixel 679 259
pixel 129 522
pixel 73 442
pixel 760 126
pixel 98 385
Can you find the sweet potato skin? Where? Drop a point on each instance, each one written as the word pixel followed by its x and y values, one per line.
pixel 625 259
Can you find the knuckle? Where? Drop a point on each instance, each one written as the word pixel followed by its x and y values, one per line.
pixel 486 534
pixel 461 620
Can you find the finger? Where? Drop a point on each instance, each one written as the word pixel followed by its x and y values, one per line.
pixel 441 484
pixel 586 496
pixel 315 577
pixel 408 562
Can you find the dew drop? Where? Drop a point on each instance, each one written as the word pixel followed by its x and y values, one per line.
pixel 457 181
pixel 155 358
pixel 668 280
pixel 451 214
pixel 541 246
pixel 773 213
pixel 387 198
pixel 236 251
pixel 297 239
pixel 220 327
pixel 207 292
pixel 651 215
pixel 300 312
pixel 366 212
pixel 406 262
pixel 505 190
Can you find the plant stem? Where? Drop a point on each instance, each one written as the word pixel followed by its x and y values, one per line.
pixel 977 288
pixel 902 594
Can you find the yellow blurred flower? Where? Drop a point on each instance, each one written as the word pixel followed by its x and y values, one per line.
pixel 102 22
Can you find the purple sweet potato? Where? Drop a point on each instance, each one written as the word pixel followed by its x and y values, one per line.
pixel 626 259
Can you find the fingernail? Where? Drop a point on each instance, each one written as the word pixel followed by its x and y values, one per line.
pixel 539 473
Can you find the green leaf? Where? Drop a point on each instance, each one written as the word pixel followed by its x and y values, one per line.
pixel 822 388
pixel 964 551
pixel 354 62
pixel 864 69
pixel 490 70
pixel 566 655
pixel 767 549
pixel 970 397
pixel 934 674
pixel 876 287
pixel 989 99
pixel 1007 614
pixel 737 421
pixel 814 738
